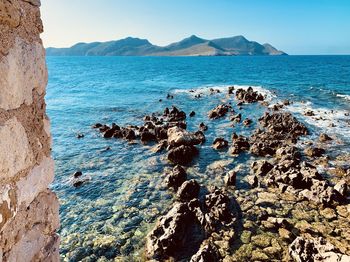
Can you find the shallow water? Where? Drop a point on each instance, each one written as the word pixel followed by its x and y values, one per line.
pixel 110 215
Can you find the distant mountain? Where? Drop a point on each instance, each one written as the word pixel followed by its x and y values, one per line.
pixel 191 46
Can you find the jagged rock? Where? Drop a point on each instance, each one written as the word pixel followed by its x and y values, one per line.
pixel 249 95
pixel 206 253
pixel 176 235
pixel 236 118
pixel 148 136
pixel 253 180
pixel 342 188
pixel 200 136
pixel 230 178
pixel 314 151
pixel 315 249
pixel 231 89
pixel 97 125
pixel 188 190
pixel 203 127
pixel 287 153
pixel 178 137
pixel 219 111
pixel 182 155
pixel 77 174
pixel 325 138
pixel 220 143
pixel 261 167
pixel 239 144
pixel 176 177
pixel 129 134
pixel 247 122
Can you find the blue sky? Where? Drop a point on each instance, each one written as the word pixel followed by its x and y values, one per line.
pixel 294 26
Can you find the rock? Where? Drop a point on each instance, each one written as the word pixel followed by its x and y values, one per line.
pixel 177 177
pixel 247 122
pixel 192 114
pixel 324 138
pixel 206 253
pixel 219 213
pixel 178 137
pixel 253 180
pixel 220 143
pixel 230 90
pixel 77 174
pixel 261 240
pixel 328 213
pixel 230 178
pixel 342 188
pixel 261 167
pixel 147 136
pixel 203 127
pixel 78 183
pixel 309 113
pixel 97 125
pixel 160 146
pixel 80 135
pixel 219 111
pixel 236 118
pixel 188 190
pixel 287 152
pixel 109 133
pixel 258 255
pixel 285 234
pixel 315 249
pixel 174 234
pixel 182 155
pixel 246 236
pixel 200 136
pixel 314 151
pixel 129 134
pixel 239 144
pixel 248 96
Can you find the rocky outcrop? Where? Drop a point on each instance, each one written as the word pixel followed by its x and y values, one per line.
pixel 28 209
pixel 315 249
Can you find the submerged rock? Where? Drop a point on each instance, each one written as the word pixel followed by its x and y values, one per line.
pixel 324 137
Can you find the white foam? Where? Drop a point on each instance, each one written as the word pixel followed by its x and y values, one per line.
pixel 323 118
pixel 205 90
pixel 346 97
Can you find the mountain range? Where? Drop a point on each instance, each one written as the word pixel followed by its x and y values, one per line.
pixel 191 46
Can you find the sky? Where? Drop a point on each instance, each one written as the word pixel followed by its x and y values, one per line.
pixel 294 26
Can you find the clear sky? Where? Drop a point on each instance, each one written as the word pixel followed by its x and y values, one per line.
pixel 294 26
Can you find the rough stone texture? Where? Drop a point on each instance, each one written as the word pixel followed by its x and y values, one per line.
pixel 28 209
pixel 13 139
pixel 18 76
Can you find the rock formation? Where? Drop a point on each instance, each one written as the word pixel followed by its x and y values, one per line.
pixel 28 209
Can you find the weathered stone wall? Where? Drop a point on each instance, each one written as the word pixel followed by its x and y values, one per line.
pixel 28 209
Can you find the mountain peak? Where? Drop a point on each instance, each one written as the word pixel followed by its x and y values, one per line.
pixel 190 46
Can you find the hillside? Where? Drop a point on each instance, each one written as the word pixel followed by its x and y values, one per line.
pixel 191 46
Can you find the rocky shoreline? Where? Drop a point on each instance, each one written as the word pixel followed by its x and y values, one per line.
pixel 291 212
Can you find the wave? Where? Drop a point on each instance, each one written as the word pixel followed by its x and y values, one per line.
pixel 328 120
pixel 346 97
pixel 206 90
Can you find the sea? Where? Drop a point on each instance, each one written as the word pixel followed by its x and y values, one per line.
pixel 109 216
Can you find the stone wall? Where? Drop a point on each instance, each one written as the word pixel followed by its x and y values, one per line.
pixel 28 209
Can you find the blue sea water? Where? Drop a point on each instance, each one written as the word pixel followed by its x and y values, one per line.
pixel 111 213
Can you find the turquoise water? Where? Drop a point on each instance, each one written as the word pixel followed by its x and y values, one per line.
pixel 112 212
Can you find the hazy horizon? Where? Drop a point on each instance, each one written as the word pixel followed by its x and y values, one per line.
pixel 295 27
